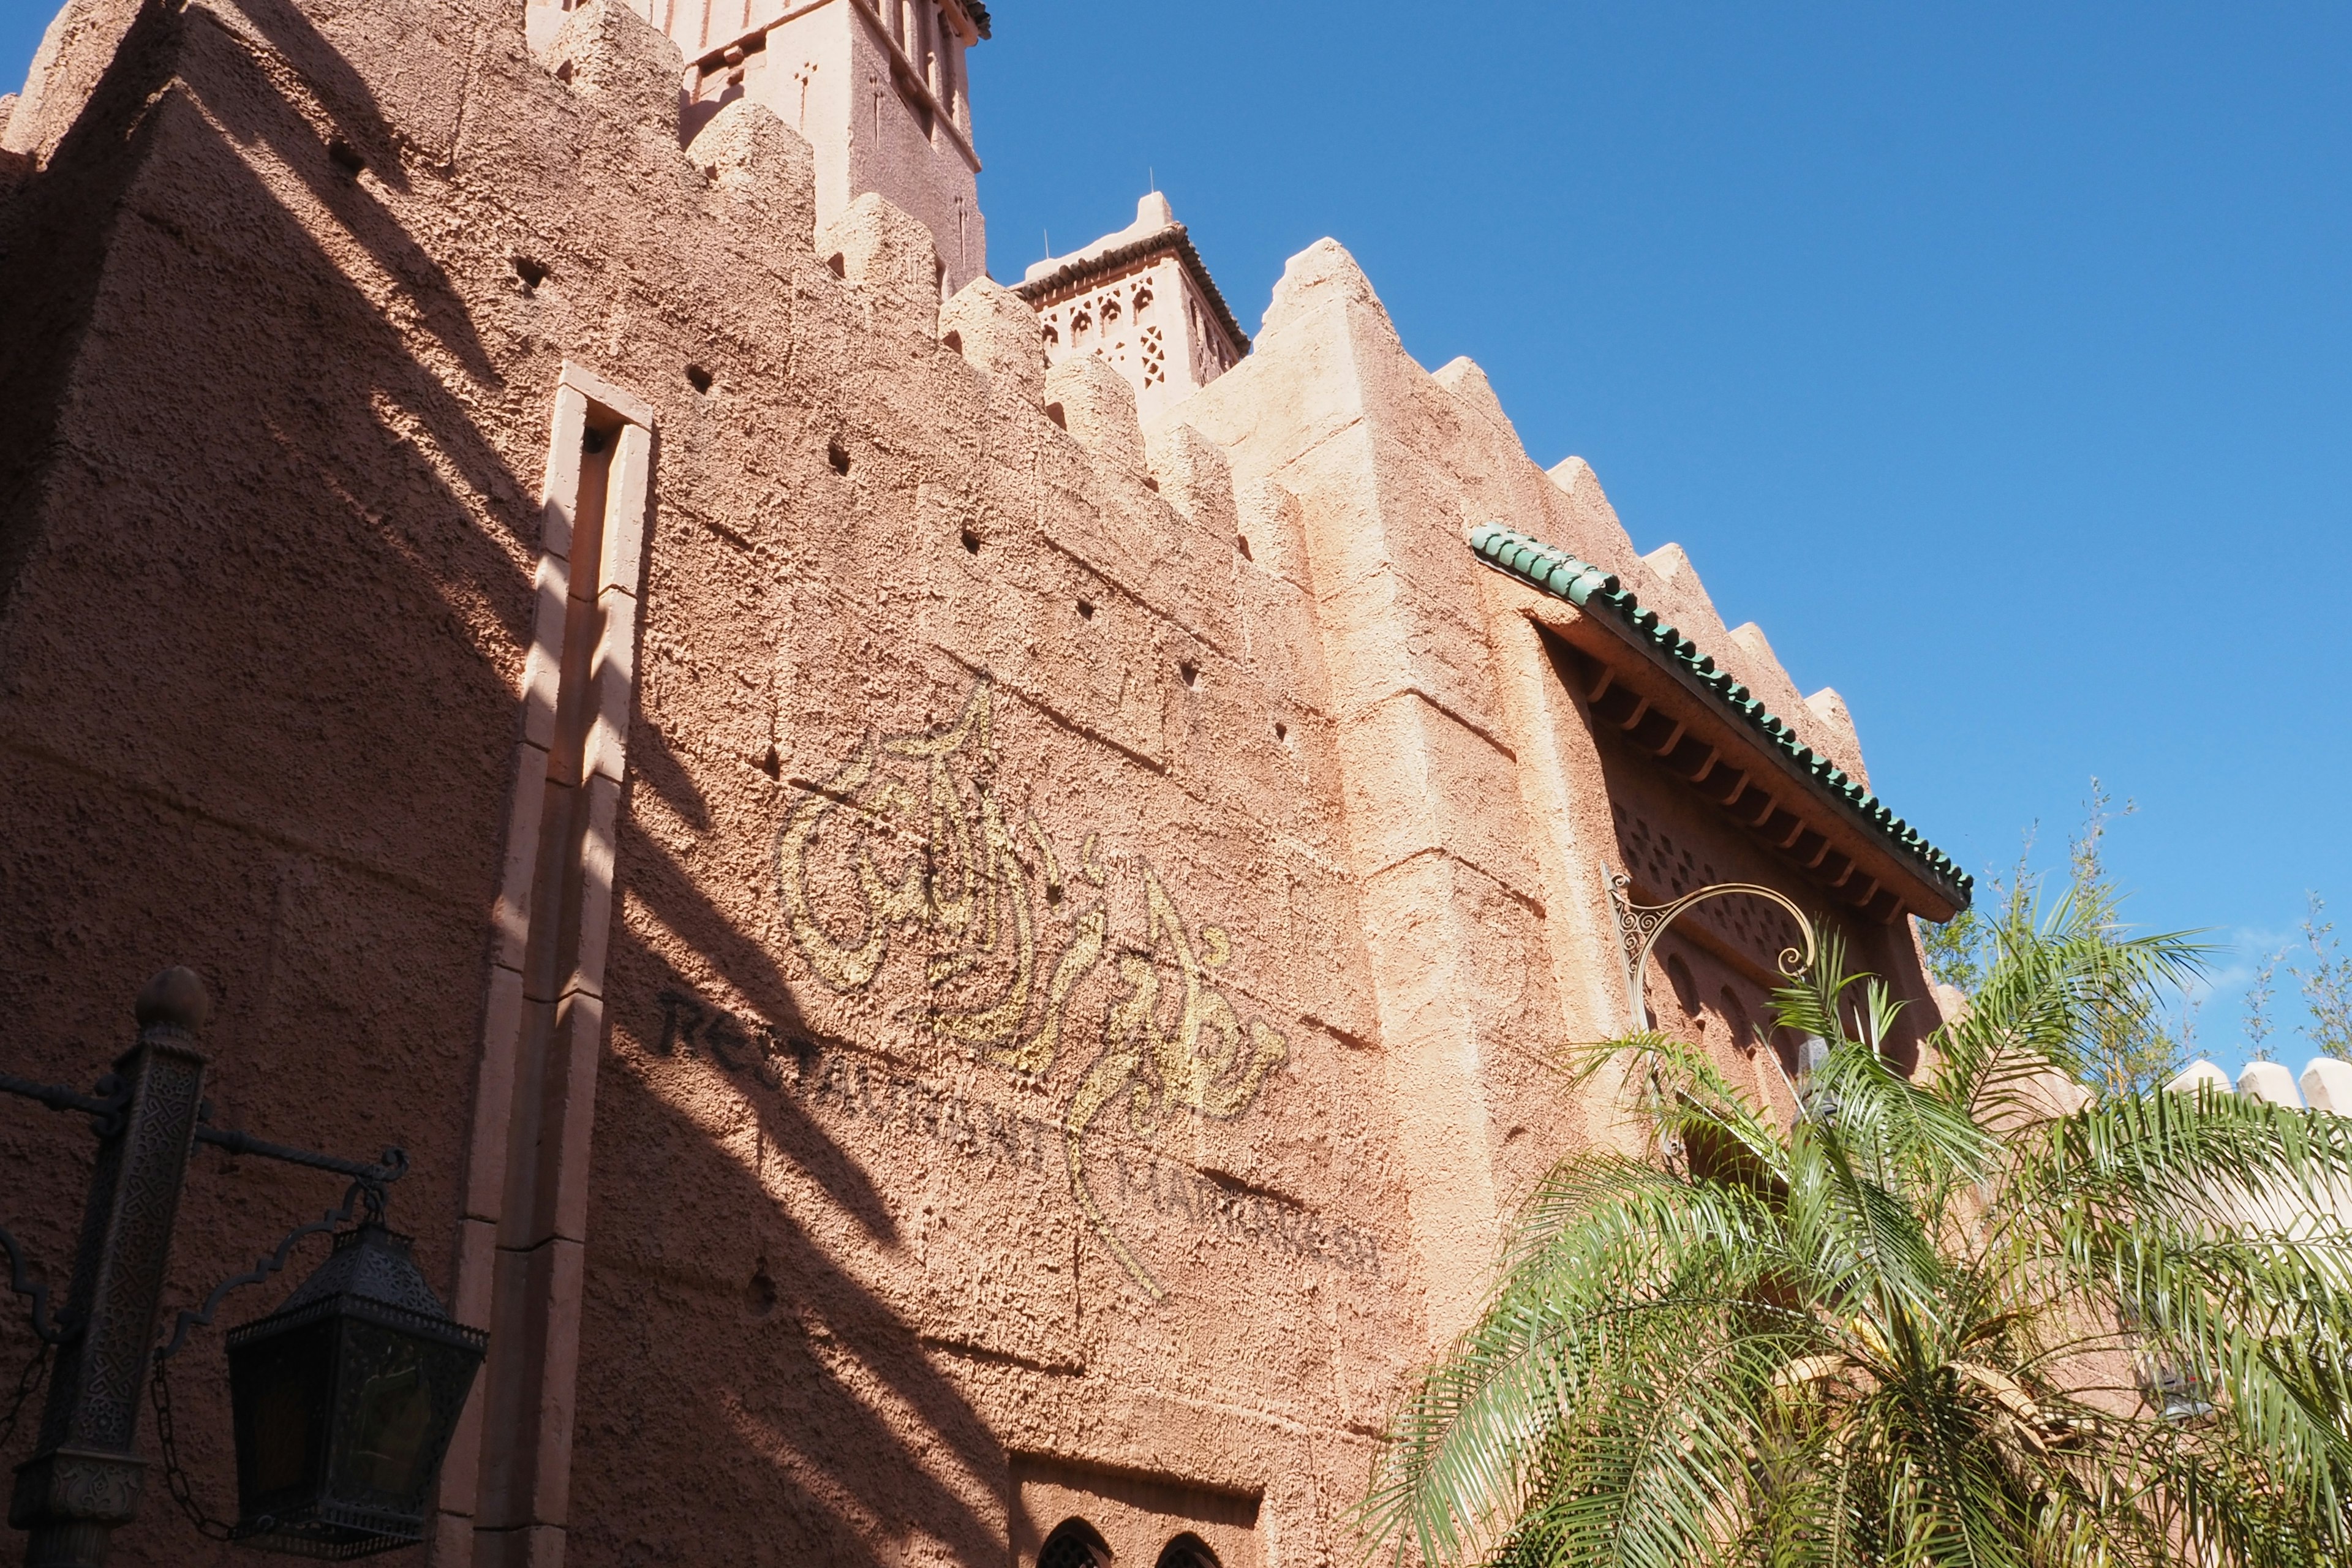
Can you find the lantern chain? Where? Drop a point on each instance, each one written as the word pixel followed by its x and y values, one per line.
pixel 184 1491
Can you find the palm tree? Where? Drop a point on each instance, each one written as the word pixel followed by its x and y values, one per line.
pixel 1974 1317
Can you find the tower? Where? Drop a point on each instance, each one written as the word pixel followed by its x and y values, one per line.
pixel 1141 298
pixel 878 87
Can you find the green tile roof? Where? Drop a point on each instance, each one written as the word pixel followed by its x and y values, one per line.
pixel 1587 587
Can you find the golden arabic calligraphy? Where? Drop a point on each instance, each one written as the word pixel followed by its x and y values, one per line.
pixel 896 841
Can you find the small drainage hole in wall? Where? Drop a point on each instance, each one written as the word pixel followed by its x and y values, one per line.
pixel 838 456
pixel 531 273
pixel 1281 730
pixel 971 543
pixel 697 378
pixel 1190 671
pixel 836 265
pixel 1054 412
pixel 345 156
pixel 760 1293
pixel 1241 543
pixel 952 341
pixel 1086 609
pixel 1151 484
pixel 773 765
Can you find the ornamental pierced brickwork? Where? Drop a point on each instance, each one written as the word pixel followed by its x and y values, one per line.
pixel 1141 301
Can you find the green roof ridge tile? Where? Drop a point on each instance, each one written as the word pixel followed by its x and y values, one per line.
pixel 1582 584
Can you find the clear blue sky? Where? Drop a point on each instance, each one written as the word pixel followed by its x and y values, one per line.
pixel 1997 359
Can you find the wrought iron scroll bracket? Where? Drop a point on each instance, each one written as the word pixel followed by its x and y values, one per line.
pixel 1639 927
pixel 105 1108
pixel 366 1191
pixel 55 1331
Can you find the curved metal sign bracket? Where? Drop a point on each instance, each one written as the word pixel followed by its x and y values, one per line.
pixel 1639 927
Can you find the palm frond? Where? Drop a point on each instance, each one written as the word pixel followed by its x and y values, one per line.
pixel 1959 1321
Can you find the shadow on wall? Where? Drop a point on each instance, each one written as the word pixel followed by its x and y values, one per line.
pixel 269 601
pixel 262 604
pixel 296 614
pixel 743 1398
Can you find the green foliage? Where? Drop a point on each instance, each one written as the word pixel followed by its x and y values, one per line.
pixel 2326 985
pixel 2134 1045
pixel 2261 995
pixel 1980 1319
pixel 1958 950
pixel 2132 1049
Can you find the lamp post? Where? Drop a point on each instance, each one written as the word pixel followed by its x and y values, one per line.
pixel 343 1400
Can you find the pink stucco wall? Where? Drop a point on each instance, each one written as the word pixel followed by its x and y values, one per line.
pixel 1053 1020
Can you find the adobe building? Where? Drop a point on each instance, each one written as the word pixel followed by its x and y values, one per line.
pixel 962 935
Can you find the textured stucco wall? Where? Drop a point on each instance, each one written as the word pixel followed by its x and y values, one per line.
pixel 1090 903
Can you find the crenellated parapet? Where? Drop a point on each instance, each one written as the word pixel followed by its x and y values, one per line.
pixel 2326 1084
pixel 879 88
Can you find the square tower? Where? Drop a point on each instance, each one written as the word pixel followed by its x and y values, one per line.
pixel 1141 298
pixel 878 87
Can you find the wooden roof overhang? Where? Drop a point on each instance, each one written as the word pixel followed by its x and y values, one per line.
pixel 1642 679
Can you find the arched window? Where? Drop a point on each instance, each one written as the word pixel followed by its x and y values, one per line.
pixel 1187 1550
pixel 1074 1544
pixel 1678 976
pixel 1734 1014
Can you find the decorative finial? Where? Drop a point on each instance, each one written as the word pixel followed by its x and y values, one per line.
pixel 176 999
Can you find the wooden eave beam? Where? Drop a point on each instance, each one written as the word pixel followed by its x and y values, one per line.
pixel 1629 687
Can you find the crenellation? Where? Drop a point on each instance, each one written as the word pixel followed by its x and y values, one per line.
pixel 1676 589
pixel 1465 380
pixel 2270 1082
pixel 1590 513
pixel 2327 1085
pixel 605 49
pixel 761 165
pixel 1097 408
pixel 1762 672
pixel 997 334
pixel 1843 740
pixel 886 258
pixel 1272 536
pixel 1191 475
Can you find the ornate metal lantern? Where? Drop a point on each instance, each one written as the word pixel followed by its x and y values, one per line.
pixel 343 1401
